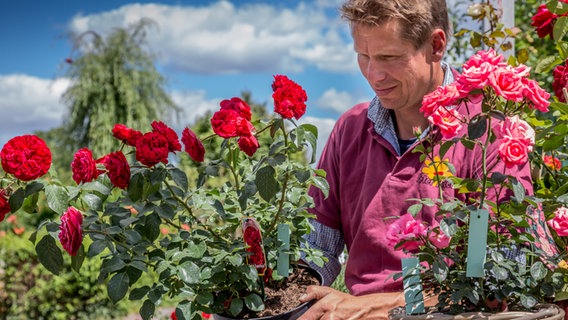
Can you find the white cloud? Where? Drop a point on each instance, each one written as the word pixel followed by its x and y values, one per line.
pixel 29 104
pixel 193 105
pixel 338 101
pixel 222 38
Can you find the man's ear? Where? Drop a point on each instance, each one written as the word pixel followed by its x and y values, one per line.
pixel 438 42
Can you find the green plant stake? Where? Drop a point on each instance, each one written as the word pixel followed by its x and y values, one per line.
pixel 283 263
pixel 477 243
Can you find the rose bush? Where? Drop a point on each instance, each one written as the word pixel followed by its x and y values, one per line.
pixel 144 215
pixel 524 262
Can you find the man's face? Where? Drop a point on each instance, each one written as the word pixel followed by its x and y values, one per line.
pixel 399 74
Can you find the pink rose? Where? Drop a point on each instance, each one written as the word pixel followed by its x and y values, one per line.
pixel 438 238
pixel 507 83
pixel 441 97
pixel 448 121
pixel 514 128
pixel 513 152
pixel 70 232
pixel 537 95
pixel 405 233
pixel 84 167
pixel 560 221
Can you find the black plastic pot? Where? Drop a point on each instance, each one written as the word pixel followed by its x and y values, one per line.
pixel 290 315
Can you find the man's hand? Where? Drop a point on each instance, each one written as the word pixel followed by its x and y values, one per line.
pixel 336 305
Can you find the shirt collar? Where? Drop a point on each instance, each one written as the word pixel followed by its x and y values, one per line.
pixel 381 117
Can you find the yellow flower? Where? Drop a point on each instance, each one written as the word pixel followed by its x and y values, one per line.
pixel 563 265
pixel 436 170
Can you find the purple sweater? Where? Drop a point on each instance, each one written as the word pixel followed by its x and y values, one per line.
pixel 369 182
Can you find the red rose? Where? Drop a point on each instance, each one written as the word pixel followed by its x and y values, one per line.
pixel 244 127
pixel 4 204
pixel 84 166
pixel 225 122
pixel 193 145
pixel 248 144
pixel 289 97
pixel 70 232
pixel 126 135
pixel 168 133
pixel 543 21
pixel 238 105
pixel 27 157
pixel 152 148
pixel 173 315
pixel 118 169
pixel 560 81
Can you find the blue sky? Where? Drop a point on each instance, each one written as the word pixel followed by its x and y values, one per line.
pixel 207 51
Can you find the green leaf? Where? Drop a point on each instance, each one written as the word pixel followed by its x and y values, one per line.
pixel 147 310
pixel 57 198
pixel 96 247
pixel 77 259
pixel 266 184
pixel 189 272
pixel 321 183
pixel 180 178
pixel 138 293
pixel 49 254
pixel 136 187
pixel 477 127
pixel 118 286
pixel 17 199
pixel 538 271
pixel 560 27
pixel 112 265
pixel 236 306
pixel 254 302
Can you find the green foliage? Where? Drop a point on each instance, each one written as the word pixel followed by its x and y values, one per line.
pixel 29 291
pixel 113 81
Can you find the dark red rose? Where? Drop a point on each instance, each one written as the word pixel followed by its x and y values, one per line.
pixel 225 122
pixel 560 81
pixel 173 315
pixel 252 236
pixel 169 134
pixel 118 169
pixel 70 232
pixel 237 104
pixel 253 240
pixel 248 144
pixel 193 145
pixel 543 21
pixel 84 166
pixel 27 157
pixel 245 127
pixel 126 135
pixel 289 97
pixel 4 204
pixel 152 148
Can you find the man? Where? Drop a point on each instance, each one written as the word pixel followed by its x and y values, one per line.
pixel 370 166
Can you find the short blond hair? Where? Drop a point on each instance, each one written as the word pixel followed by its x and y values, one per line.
pixel 418 18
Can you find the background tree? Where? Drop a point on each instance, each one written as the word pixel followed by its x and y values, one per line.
pixel 114 80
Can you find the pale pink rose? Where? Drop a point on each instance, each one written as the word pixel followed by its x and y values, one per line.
pixel 515 128
pixel 448 121
pixel 438 238
pixel 513 152
pixel 441 97
pixel 406 232
pixel 560 221
pixel 507 84
pixel 537 95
